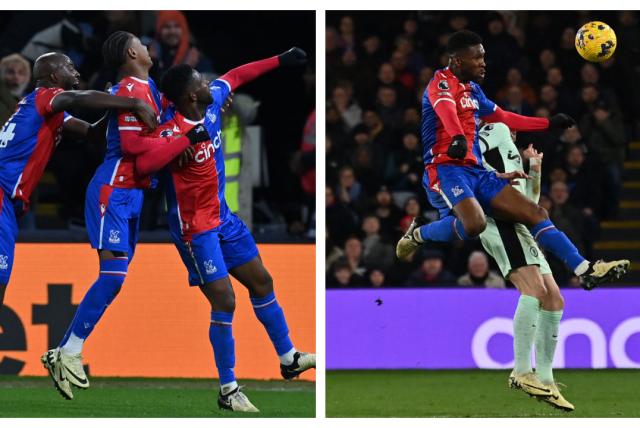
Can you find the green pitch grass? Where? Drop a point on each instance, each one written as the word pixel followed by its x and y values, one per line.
pixel 34 397
pixel 476 393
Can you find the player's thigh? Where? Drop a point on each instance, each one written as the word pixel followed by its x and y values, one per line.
pixel 237 243
pixel 487 187
pixel 107 214
pixel 205 253
pixel 8 236
pixel 512 206
pixel 254 276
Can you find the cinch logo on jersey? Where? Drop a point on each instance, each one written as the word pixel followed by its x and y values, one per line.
pixel 3 262
pixel 457 191
pixel 467 102
pixel 114 236
pixel 206 151
pixel 209 267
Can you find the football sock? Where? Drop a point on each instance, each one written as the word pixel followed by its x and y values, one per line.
pixel 556 242
pixel 73 345
pixel 546 341
pixel 524 332
pixel 221 337
pixel 446 229
pixel 112 275
pixel 271 316
pixel 287 358
pixel 228 387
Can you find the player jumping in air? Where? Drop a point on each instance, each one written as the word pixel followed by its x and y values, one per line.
pixel 455 180
pixel 212 241
pixel 29 137
pixel 114 201
pixel 540 307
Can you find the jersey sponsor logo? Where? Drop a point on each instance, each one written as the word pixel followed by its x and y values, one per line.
pixel 3 262
pixel 457 191
pixel 209 267
pixel 114 236
pixel 217 140
pixel 7 134
pixel 467 102
pixel 212 117
pixel 444 85
pixel 206 151
pixel 130 119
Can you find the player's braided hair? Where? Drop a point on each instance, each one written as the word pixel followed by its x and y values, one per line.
pixel 175 81
pixel 461 40
pixel 114 49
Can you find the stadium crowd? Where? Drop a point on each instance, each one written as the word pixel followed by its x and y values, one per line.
pixel 173 38
pixel 378 66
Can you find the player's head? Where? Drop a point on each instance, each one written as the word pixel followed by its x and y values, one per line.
pixel 56 69
pixel 121 48
pixel 466 55
pixel 181 84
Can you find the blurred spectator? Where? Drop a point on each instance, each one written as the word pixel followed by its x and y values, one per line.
pixel 478 273
pixel 341 221
pixel 387 212
pixel 376 253
pixel 349 110
pixel 431 272
pixel 502 52
pixel 15 76
pixel 353 255
pixel 376 278
pixel 342 276
pixel 604 131
pixel 514 78
pixel 411 209
pixel 173 45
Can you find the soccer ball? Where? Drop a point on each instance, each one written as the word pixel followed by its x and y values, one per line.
pixel 596 41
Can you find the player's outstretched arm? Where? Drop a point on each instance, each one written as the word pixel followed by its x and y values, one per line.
pixel 248 72
pixel 99 101
pixel 518 122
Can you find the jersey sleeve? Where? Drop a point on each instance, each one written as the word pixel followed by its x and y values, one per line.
pixel 44 100
pixel 439 91
pixel 220 90
pixel 127 121
pixel 443 102
pixel 485 105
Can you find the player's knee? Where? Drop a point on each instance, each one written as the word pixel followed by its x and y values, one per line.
pixel 227 302
pixel 539 214
pixel 265 285
pixel 475 226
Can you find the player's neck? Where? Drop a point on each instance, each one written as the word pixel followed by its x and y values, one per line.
pixel 134 70
pixel 192 111
pixel 45 84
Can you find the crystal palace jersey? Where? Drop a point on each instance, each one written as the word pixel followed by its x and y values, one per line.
pixel 471 104
pixel 118 168
pixel 195 192
pixel 27 142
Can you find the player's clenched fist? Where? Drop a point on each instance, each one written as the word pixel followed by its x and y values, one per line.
pixel 458 147
pixel 292 57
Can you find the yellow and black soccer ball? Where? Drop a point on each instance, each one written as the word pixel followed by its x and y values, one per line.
pixel 596 41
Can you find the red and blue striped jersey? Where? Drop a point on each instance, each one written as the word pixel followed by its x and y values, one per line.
pixel 117 168
pixel 195 192
pixel 470 103
pixel 27 141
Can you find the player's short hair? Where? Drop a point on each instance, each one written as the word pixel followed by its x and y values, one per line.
pixel 462 39
pixel 114 49
pixel 175 81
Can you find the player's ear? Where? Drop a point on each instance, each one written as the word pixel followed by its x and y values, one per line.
pixel 131 52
